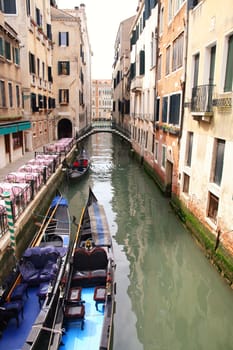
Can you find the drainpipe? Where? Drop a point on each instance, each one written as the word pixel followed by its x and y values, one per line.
pixel 157 56
pixel 183 83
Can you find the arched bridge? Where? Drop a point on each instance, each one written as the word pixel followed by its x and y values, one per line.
pixel 103 126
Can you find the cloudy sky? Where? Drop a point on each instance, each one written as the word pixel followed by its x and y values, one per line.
pixel 103 19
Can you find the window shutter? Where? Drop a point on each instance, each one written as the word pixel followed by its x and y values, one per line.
pixel 142 62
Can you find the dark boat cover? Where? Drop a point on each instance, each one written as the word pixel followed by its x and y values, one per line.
pixel 99 225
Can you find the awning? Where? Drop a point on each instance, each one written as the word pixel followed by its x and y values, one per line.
pixel 9 128
pixel 99 225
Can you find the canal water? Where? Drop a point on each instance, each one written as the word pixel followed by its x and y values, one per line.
pixel 168 297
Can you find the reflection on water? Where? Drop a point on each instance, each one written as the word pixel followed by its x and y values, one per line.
pixel 168 295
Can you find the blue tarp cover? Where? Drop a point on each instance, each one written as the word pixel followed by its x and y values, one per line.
pixel 99 225
pixel 59 200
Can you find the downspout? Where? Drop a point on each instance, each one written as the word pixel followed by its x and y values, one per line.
pixel 183 83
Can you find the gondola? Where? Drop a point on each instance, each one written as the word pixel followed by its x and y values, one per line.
pixel 31 293
pixel 79 167
pixel 85 316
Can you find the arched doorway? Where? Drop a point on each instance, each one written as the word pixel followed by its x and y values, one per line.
pixel 64 128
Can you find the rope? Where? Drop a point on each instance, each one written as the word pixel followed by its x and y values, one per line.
pixel 49 329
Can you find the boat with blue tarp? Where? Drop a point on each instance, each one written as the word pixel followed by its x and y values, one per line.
pixel 84 316
pixel 31 292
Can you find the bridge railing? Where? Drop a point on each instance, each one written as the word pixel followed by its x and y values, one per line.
pixel 103 124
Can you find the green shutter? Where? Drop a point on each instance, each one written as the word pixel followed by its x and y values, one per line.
pixel 229 67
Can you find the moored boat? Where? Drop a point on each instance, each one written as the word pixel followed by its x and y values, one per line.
pixel 85 316
pixel 79 167
pixel 30 295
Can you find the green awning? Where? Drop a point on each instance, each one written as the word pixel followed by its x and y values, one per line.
pixel 9 128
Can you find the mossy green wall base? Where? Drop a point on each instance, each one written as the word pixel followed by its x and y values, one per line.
pixel 220 257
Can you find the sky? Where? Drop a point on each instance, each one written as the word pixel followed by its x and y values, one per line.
pixel 103 20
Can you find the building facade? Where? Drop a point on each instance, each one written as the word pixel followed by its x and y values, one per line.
pixel 13 125
pixel 72 51
pixel 32 20
pixel 207 138
pixel 101 100
pixel 121 69
pixel 142 79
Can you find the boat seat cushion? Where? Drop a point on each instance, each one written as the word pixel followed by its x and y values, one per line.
pixel 19 291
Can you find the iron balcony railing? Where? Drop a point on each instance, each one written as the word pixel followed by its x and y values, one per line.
pixel 202 99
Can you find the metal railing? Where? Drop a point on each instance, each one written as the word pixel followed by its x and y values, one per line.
pixel 202 99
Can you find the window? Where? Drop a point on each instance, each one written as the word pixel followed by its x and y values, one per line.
pixel 186 180
pixel 178 4
pixel 17 139
pixel 177 55
pixel 161 20
pixel 159 67
pixel 218 161
pixel 38 17
pixel 10 94
pixel 8 50
pixel 168 54
pixel 50 78
pixel 170 10
pixel 189 148
pixel 164 109
pixel 212 64
pixel 38 67
pixel 142 62
pixel 32 63
pixel 49 31
pixel 157 111
pixel 17 96
pixel 196 69
pixel 63 38
pixel 28 6
pixel 229 67
pixel 16 55
pixel 33 103
pixel 213 207
pixel 63 68
pixel 2 94
pixel 63 96
pixel 156 150
pixel 1 46
pixel 153 50
pixel 163 156
pixel 174 109
pixel 9 7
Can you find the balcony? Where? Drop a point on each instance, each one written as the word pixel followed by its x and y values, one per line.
pixel 202 102
pixel 136 84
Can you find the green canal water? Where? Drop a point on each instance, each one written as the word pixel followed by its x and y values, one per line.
pixel 168 297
